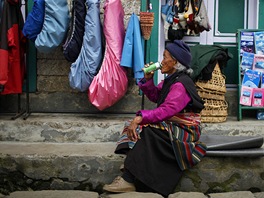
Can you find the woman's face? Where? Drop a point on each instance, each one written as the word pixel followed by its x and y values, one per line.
pixel 168 63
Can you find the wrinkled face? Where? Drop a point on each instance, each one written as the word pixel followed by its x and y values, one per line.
pixel 168 63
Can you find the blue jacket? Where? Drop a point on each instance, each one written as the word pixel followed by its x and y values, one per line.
pixel 35 19
pixel 132 54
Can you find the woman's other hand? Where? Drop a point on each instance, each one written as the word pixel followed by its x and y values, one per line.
pixel 131 132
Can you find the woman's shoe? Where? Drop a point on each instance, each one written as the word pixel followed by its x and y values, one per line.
pixel 122 168
pixel 119 185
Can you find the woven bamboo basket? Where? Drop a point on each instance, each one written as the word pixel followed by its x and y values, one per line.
pixel 215 108
pixel 146 24
pixel 208 94
pixel 216 83
pixel 146 17
pixel 208 119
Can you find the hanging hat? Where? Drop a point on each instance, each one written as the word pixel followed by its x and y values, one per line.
pixel 180 51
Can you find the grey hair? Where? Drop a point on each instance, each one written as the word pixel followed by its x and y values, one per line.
pixel 181 67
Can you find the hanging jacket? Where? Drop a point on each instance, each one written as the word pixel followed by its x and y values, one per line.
pixel 55 26
pixel 132 54
pixel 89 60
pixel 12 48
pixel 35 19
pixel 73 43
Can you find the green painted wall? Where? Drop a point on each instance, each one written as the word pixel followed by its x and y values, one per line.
pixel 261 14
pixel 151 45
pixel 31 62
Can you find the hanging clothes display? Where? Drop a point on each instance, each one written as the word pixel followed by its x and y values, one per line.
pixel 55 26
pixel 34 21
pixel 89 60
pixel 12 48
pixel 184 17
pixel 133 54
pixel 110 84
pixel 73 43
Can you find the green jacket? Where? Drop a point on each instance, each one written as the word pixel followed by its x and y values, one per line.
pixel 204 59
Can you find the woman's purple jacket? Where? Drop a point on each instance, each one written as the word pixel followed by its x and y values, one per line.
pixel 176 100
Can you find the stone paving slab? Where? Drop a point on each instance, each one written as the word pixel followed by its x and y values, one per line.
pixel 89 194
pixel 53 194
pixel 239 194
pixel 130 195
pixel 187 195
pixel 259 195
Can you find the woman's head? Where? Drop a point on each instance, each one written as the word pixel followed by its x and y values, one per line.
pixel 176 56
pixel 171 65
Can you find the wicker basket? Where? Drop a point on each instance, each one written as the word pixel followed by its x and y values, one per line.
pixel 146 17
pixel 216 83
pixel 207 94
pixel 208 119
pixel 146 24
pixel 216 108
pixel 213 93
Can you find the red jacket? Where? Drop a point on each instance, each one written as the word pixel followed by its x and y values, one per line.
pixel 12 48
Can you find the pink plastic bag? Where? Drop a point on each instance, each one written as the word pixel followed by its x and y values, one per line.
pixel 110 84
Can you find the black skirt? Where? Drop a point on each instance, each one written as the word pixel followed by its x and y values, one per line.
pixel 152 161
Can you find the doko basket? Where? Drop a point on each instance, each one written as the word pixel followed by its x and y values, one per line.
pixel 209 94
pixel 216 83
pixel 211 119
pixel 213 93
pixel 215 108
pixel 146 24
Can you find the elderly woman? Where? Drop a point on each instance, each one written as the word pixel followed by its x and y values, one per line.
pixel 161 143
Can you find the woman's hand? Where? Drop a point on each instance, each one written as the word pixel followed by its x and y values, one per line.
pixel 131 131
pixel 149 75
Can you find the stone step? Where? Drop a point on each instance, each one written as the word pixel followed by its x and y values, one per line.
pixel 88 194
pixel 88 166
pixel 62 128
pixel 67 128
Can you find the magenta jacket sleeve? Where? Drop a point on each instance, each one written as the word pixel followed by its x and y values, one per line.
pixel 176 100
pixel 150 89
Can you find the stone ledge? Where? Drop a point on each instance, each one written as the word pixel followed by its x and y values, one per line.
pixel 68 128
pixel 88 166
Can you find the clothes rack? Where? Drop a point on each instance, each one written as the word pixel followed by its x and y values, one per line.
pixel 27 110
pixel 24 112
